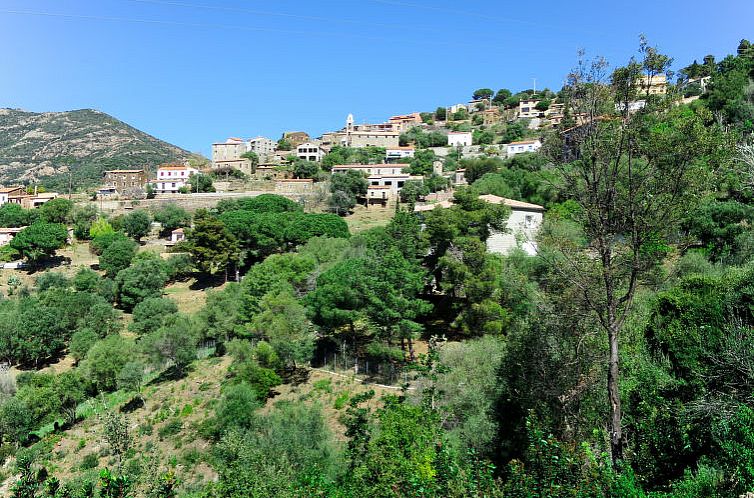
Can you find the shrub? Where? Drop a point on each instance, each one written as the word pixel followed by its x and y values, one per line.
pixel 90 461
pixel 171 428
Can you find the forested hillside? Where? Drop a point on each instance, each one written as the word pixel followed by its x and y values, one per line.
pixel 56 148
pixel 305 359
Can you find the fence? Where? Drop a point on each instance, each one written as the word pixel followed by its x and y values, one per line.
pixel 373 371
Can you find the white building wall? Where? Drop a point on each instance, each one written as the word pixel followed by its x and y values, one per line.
pixel 517 148
pixel 522 228
pixel 459 139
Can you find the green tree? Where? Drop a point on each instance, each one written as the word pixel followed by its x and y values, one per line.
pixel 284 144
pixel 173 344
pixel 15 423
pixel 282 322
pixel 253 159
pixel 150 314
pixel 116 435
pixel 478 167
pixel 305 169
pixel 83 217
pixel 306 226
pixel 269 203
pixel 212 245
pixel 57 210
pixel 237 407
pixel 513 131
pixel 104 361
pixel 346 188
pixel 117 256
pixel 501 96
pixel 422 162
pixel 81 342
pixel 412 191
pixel 543 105
pixel 482 93
pixel 13 215
pixel 100 227
pixel 141 280
pixel 441 113
pixel 137 224
pixel 171 216
pixel 483 137
pixel 40 240
pixel 199 182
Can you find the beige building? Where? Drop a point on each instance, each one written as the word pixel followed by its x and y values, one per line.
pixel 406 121
pixel 31 201
pixel 373 138
pixel 8 192
pixel 527 108
pixel 231 149
pixel 656 85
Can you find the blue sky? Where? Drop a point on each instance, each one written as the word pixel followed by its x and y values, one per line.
pixel 197 71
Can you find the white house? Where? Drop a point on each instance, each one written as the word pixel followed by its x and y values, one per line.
pixel 519 147
pixel 177 235
pixel 170 178
pixel 521 228
pixel 310 151
pixel 397 153
pixel 459 138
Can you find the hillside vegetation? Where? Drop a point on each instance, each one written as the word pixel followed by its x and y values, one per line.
pixel 45 147
pixel 283 352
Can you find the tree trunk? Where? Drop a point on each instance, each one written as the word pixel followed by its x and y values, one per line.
pixel 613 389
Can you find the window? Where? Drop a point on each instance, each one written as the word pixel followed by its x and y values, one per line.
pixel 528 221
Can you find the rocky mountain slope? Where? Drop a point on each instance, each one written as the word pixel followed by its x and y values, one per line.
pixel 50 147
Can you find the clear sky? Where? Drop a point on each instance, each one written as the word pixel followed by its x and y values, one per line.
pixel 193 72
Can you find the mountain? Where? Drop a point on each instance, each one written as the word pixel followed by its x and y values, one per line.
pixel 57 147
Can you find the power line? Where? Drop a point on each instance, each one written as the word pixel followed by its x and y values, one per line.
pixel 454 11
pixel 268 13
pixel 241 27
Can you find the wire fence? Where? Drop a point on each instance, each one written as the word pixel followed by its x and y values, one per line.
pixel 375 371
